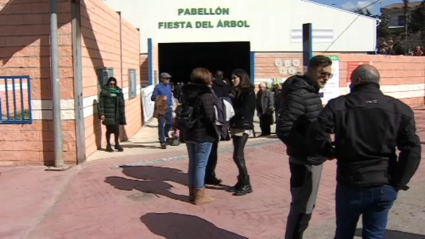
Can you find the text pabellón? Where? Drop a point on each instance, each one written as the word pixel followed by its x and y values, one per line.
pixel 203 11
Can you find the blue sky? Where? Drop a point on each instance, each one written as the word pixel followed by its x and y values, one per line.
pixel 361 3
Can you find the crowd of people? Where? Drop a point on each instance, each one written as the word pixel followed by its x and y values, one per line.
pixel 368 128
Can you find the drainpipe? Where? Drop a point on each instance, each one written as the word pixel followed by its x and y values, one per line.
pixel 56 99
pixel 121 52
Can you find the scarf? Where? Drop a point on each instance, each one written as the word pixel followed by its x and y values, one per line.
pixel 114 92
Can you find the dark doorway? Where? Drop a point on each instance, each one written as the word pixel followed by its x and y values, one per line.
pixel 179 59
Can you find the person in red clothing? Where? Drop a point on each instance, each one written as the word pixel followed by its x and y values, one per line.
pixel 419 51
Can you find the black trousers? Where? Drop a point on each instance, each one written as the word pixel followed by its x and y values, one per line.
pixel 115 130
pixel 212 162
pixel 239 143
pixel 265 124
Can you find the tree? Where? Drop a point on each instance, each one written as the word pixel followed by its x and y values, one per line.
pixel 417 19
pixel 383 30
pixel 406 22
pixel 364 11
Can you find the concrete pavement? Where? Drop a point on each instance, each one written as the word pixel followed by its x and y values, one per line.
pixel 147 198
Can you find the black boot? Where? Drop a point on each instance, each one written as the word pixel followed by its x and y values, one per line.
pixel 109 148
pixel 119 148
pixel 213 181
pixel 245 187
pixel 237 185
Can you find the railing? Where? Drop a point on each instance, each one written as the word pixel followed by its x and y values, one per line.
pixel 15 100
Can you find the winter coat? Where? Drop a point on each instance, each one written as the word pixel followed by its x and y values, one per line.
pixel 112 109
pixel 244 105
pixel 265 102
pixel 201 99
pixel 301 106
pixel 220 88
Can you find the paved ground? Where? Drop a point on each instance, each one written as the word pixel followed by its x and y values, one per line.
pixel 147 198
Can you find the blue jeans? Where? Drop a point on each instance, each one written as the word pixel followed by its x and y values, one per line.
pixel 198 159
pixel 372 203
pixel 165 123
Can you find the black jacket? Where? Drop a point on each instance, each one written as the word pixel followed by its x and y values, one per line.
pixel 220 88
pixel 368 126
pixel 244 104
pixel 113 108
pixel 301 105
pixel 201 98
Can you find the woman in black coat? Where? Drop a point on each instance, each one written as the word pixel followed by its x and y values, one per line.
pixel 200 136
pixel 241 126
pixel 112 112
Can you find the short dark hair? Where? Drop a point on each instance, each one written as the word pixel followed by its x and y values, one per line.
pixel 319 61
pixel 244 77
pixel 201 76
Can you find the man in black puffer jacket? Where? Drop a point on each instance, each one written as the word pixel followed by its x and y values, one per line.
pixel 301 105
pixel 220 87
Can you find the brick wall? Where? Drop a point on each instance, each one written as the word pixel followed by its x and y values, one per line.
pixel 101 48
pixel 144 74
pixel 402 77
pixel 24 50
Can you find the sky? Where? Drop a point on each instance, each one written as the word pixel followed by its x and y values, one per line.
pixel 349 5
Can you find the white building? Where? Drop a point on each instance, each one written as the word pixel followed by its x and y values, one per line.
pixel 268 25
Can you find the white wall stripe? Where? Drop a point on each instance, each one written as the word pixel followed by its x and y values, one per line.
pixel 42 109
pixel 396 91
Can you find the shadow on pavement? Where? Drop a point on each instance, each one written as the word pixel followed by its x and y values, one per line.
pixel 395 235
pixel 177 226
pixel 150 179
pixel 142 146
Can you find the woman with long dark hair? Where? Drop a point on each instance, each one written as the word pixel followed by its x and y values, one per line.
pixel 241 126
pixel 112 112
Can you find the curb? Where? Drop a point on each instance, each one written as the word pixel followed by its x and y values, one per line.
pixel 185 156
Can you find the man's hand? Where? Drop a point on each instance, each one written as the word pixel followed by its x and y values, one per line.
pixel 165 97
pixel 102 117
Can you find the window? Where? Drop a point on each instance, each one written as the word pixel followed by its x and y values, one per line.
pixel 401 20
pixel 133 83
pixel 103 75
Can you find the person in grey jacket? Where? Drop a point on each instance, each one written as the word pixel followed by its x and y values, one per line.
pixel 265 109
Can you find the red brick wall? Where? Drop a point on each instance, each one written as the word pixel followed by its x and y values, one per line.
pixel 101 48
pixel 144 74
pixel 24 50
pixel 394 70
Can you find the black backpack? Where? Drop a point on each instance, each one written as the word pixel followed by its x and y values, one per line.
pixel 187 116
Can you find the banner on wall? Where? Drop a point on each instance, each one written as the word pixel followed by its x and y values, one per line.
pixel 331 89
pixel 353 65
pixel 148 104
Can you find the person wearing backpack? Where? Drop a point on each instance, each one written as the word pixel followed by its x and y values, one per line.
pixel 196 118
pixel 241 126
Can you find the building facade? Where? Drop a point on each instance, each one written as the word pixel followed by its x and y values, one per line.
pixel 396 15
pixel 95 42
pixel 269 25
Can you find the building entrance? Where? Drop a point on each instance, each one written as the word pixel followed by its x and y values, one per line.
pixel 179 59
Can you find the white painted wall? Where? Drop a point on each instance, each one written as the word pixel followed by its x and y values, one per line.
pixel 271 24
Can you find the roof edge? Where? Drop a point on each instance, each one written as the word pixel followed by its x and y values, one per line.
pixel 338 9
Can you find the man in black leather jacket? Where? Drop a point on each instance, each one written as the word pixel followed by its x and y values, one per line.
pixel 368 126
pixel 301 105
